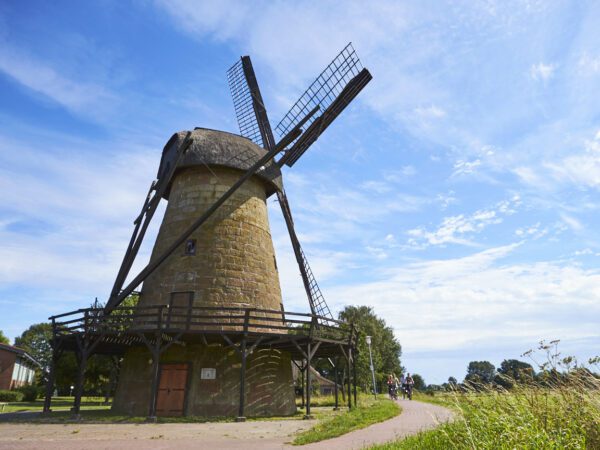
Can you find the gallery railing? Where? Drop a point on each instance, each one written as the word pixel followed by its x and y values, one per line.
pixel 200 319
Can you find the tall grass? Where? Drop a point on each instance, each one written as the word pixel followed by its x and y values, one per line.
pixel 557 410
pixel 368 412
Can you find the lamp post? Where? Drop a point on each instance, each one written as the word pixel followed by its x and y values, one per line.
pixel 372 367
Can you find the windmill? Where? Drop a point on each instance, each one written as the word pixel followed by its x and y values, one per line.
pixel 210 293
pixel 320 104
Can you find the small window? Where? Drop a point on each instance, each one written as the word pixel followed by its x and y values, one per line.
pixel 190 247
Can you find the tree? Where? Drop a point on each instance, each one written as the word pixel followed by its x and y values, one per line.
pixel 3 338
pixel 36 341
pixel 419 382
pixel 515 369
pixel 384 345
pixel 480 372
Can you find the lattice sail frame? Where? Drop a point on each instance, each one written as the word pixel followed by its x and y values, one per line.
pixel 242 102
pixel 335 87
pixel 323 91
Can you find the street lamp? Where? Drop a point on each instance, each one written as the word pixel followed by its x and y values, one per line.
pixel 372 367
pixel 71 392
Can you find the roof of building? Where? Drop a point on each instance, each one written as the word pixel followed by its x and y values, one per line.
pixel 220 148
pixel 314 373
pixel 19 351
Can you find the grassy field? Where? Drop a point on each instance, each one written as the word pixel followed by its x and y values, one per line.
pixel 564 416
pixel 368 412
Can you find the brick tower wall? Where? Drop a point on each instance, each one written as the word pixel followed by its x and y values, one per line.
pixel 234 262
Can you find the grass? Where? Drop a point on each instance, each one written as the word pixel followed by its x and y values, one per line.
pixel 58 404
pixel 562 415
pixel 322 400
pixel 368 412
pixel 93 410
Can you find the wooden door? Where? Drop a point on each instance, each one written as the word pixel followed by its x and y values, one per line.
pixel 171 389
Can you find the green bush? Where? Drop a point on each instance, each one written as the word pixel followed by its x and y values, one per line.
pixel 30 392
pixel 10 396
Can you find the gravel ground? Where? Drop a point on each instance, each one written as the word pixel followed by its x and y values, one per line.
pixel 260 435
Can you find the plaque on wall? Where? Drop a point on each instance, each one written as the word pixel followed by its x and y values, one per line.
pixel 208 373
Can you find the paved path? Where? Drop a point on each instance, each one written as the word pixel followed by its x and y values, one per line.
pixel 415 417
pixel 260 435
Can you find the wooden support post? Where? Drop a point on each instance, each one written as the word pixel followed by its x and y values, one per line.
pixel 155 351
pixel 82 359
pixel 51 376
pixel 308 381
pixel 335 388
pixel 241 413
pixel 241 417
pixel 342 384
pixel 349 369
pixel 354 377
pixel 303 386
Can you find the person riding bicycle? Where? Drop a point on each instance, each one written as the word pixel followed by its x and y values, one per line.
pixel 402 385
pixel 409 382
pixel 391 387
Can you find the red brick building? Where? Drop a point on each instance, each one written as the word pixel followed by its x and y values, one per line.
pixel 17 367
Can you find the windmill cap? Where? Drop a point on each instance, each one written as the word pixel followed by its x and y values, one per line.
pixel 220 148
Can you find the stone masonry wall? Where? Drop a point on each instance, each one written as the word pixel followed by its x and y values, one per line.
pixel 234 264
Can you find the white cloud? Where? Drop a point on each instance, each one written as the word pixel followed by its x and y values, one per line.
pixel 588 64
pixel 379 187
pixel 430 112
pixel 376 252
pixel 542 72
pixel 446 200
pixel 88 98
pixel 534 231
pixel 465 167
pixel 79 209
pixel 457 303
pixel 582 169
pixel 397 176
pixel 572 222
pixel 458 229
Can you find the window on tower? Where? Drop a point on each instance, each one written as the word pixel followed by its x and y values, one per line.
pixel 190 247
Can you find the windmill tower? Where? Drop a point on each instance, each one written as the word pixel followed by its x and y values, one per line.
pixel 209 334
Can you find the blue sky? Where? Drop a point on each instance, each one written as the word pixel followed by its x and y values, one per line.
pixel 458 196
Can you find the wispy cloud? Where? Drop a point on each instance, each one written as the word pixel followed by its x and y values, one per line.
pixel 542 72
pixel 83 97
pixel 430 112
pixel 465 167
pixel 581 169
pixel 534 231
pixel 588 64
pixel 458 229
pixel 81 210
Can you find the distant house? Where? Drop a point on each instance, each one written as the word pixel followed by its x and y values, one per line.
pixel 17 367
pixel 324 385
